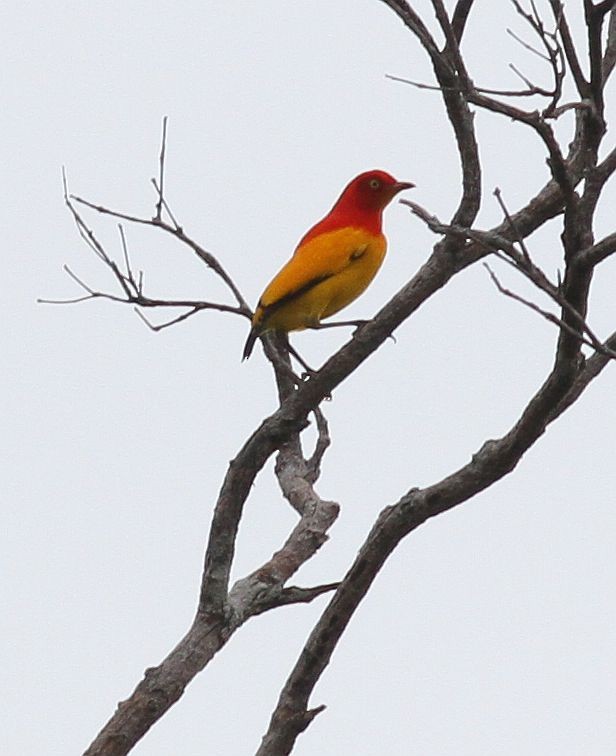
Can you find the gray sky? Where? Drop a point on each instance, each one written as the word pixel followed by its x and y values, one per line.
pixel 491 629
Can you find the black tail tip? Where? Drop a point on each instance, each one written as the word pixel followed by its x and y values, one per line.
pixel 249 345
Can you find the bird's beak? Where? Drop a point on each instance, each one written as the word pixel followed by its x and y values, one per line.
pixel 400 186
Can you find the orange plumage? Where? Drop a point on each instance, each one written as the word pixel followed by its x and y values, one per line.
pixel 333 263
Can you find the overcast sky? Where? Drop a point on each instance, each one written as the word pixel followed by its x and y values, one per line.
pixel 491 629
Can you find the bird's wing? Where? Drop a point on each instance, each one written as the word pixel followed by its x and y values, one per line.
pixel 314 262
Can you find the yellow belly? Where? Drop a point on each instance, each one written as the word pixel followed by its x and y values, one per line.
pixel 347 260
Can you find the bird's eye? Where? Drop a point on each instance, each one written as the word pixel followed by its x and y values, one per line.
pixel 375 184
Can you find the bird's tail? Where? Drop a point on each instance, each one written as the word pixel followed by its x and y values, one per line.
pixel 250 342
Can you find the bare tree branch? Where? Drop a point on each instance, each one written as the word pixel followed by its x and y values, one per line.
pixel 460 17
pixel 492 461
pixel 179 234
pixel 161 176
pixel 313 464
pixel 594 15
pixel 568 378
pixel 223 608
pixel 294 595
pixel 549 316
pixel 131 287
pixel 532 90
pixel 456 104
pixel 521 261
pixel 599 251
pixel 609 56
pixel 260 591
pixel 569 47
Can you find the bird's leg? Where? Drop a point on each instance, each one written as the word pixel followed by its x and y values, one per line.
pixel 308 370
pixel 285 344
pixel 288 370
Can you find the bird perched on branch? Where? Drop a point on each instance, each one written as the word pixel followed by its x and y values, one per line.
pixel 333 263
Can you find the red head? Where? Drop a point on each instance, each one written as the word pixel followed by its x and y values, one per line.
pixel 361 204
pixel 369 193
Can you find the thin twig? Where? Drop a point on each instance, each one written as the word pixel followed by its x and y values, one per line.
pixel 129 272
pixel 160 327
pixel 527 46
pixel 78 281
pixel 530 92
pixel 518 236
pixel 549 316
pixel 522 262
pixel 166 206
pixel 176 230
pixel 159 204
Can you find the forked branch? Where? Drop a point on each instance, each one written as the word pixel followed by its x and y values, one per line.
pixel 223 607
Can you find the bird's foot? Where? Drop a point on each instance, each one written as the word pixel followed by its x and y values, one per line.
pixel 308 371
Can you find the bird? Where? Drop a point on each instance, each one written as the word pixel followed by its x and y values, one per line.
pixel 333 263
